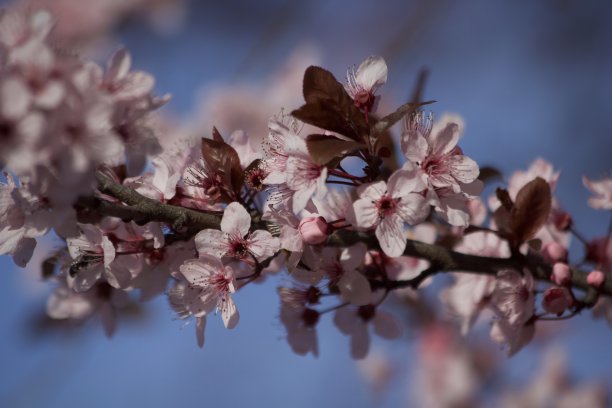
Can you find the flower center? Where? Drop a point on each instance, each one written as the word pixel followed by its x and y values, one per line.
pixel 386 206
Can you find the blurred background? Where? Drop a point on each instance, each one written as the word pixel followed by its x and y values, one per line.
pixel 531 79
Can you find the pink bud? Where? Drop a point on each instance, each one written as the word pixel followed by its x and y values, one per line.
pixel 562 274
pixel 557 299
pixel 596 278
pixel 554 252
pixel 314 230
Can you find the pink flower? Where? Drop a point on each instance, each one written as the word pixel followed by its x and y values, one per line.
pixel 596 278
pixel 354 322
pixel 387 207
pixel 314 230
pixel 208 287
pixel 288 162
pixel 513 299
pixel 301 323
pixel 234 240
pixel 602 190
pixel 363 83
pixel 562 274
pixel 434 150
pixel 65 303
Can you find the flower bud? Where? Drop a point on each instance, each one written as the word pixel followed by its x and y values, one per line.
pixel 562 274
pixel 314 230
pixel 557 299
pixel 596 278
pixel 554 252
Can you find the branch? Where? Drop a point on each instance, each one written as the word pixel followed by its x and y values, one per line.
pixel 143 208
pixel 446 260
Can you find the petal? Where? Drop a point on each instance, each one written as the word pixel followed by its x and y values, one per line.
pixel 413 208
pixel 402 182
pixel 118 65
pixel 236 220
pixel 372 73
pixel 373 191
pixel 15 99
pixel 229 313
pixel 135 85
pixel 352 257
pixel 290 239
pixel 200 326
pixel 444 140
pixel 23 251
pixel 386 326
pixel 87 277
pixel 463 168
pixel 346 320
pixel 355 288
pixel 391 237
pixel 212 242
pixel 197 270
pixel 263 245
pixel 414 146
pixel 301 197
pixel 366 213
pixel 360 342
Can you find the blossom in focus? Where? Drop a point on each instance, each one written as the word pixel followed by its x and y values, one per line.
pixel 361 84
pixel 208 287
pixel 234 239
pixel 387 206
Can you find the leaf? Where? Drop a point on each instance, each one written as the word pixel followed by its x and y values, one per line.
pixel 325 148
pixel 531 209
pixel 504 197
pixel 217 135
pixel 328 106
pixel 224 161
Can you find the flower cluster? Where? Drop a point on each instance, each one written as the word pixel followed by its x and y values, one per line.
pixel 316 198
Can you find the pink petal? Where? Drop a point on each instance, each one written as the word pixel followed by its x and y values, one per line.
pixel 23 251
pixel 118 65
pixel 373 191
pixel 445 140
pixel 366 214
pixel 229 313
pixel 346 320
pixel 236 220
pixel 212 242
pixel 135 85
pixel 386 326
pixel 402 183
pixel 372 73
pixel 414 146
pixel 196 270
pixel 360 342
pixel 391 236
pixel 200 326
pixel 463 168
pixel 355 288
pixel 263 245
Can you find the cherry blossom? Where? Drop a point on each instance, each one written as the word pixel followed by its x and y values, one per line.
pixel 208 286
pixel 602 190
pixel 354 322
pixel 361 84
pixel 433 148
pixel 234 239
pixel 387 206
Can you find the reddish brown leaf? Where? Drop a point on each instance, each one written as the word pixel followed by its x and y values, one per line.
pixel 531 210
pixel 223 159
pixel 325 148
pixel 489 173
pixel 328 106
